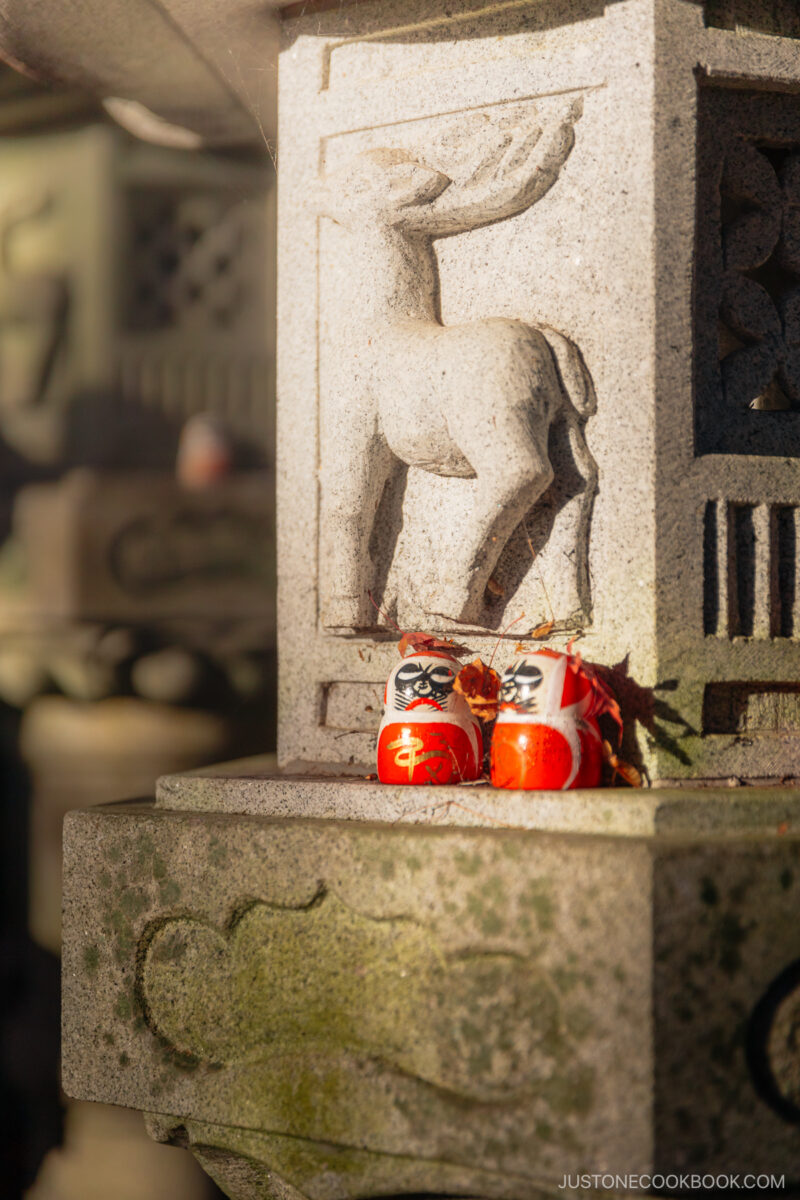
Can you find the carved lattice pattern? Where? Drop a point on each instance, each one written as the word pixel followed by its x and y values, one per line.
pixel 186 260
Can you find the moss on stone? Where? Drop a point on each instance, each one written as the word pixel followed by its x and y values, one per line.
pixel 169 891
pixel 538 898
pixel 467 863
pixel 488 920
pixel 91 958
pixel 217 852
pixel 731 934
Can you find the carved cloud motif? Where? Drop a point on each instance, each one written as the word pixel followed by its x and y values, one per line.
pixel 327 986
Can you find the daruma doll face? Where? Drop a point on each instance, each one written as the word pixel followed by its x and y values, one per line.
pixel 546 736
pixel 546 683
pixel 427 734
pixel 422 680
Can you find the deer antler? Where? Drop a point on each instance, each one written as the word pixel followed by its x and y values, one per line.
pixel 510 177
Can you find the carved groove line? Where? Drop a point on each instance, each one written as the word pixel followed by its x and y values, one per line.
pixel 271 1014
pixel 751 570
pixel 433 23
pixel 578 93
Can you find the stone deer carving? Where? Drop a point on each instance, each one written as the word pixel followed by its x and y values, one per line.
pixel 36 304
pixel 34 309
pixel 475 400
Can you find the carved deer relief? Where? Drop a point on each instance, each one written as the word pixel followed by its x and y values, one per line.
pixel 33 327
pixel 475 401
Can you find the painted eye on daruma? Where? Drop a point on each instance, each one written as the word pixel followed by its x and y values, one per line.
pixel 520 681
pixel 413 678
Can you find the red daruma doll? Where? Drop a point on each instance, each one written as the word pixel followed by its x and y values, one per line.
pixel 428 733
pixel 546 736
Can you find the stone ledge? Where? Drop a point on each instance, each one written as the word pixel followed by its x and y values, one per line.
pixel 252 786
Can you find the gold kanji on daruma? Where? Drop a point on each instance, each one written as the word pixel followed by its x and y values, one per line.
pixel 428 733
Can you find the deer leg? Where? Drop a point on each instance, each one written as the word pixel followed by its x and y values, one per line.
pixel 355 469
pixel 505 492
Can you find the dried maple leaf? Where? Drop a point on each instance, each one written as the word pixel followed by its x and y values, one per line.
pixel 480 687
pixel 542 631
pixel 604 699
pixel 623 769
pixel 419 643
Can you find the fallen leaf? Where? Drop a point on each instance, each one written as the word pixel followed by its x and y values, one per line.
pixel 480 687
pixel 370 777
pixel 543 630
pixel 604 700
pixel 494 588
pixel 623 769
pixel 419 643
pixel 783 828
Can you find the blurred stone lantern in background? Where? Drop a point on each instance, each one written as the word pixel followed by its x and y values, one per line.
pixel 136 512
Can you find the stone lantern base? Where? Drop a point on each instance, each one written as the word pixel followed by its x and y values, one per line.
pixel 330 988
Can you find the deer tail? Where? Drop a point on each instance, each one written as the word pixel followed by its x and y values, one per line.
pixel 576 382
pixel 580 403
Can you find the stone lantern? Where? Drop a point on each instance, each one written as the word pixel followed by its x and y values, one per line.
pixel 538 355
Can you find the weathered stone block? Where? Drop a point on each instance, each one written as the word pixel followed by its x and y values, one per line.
pixel 363 1008
pixel 141 548
pixel 548 208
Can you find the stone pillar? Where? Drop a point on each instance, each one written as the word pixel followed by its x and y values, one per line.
pixel 666 539
pixel 360 1004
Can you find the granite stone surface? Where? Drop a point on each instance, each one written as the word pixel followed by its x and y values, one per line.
pixel 253 786
pixel 359 1007
pixel 519 205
